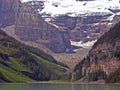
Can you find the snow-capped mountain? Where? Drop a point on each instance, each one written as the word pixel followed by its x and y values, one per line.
pixel 94 17
pixel 78 7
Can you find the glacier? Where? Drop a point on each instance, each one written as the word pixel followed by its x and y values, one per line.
pixel 83 44
pixel 76 8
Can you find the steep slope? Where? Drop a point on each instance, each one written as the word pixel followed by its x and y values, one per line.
pixel 21 63
pixel 30 27
pixel 103 60
pixel 85 20
pixel 61 35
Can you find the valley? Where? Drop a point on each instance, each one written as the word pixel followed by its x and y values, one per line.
pixel 69 36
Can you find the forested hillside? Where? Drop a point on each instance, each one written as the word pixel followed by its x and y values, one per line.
pixel 103 60
pixel 21 63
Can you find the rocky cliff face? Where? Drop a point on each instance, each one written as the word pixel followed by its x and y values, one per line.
pixel 86 28
pixel 7 11
pixel 104 57
pixel 29 26
pixel 59 34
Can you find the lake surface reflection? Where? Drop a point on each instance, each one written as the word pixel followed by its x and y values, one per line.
pixel 51 86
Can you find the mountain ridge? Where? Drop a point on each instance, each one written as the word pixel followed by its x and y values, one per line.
pixel 21 63
pixel 56 36
pixel 103 59
pixel 76 8
pixel 26 21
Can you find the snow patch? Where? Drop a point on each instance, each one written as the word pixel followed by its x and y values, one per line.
pixel 83 45
pixel 31 0
pixel 111 17
pixel 48 19
pixel 53 24
pixel 88 37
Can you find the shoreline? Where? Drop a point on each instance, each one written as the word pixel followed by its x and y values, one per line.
pixel 63 82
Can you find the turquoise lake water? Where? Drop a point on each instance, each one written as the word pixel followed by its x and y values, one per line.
pixel 51 86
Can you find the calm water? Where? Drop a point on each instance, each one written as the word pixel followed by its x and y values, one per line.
pixel 42 86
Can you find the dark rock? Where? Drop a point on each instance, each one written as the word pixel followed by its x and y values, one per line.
pixel 4 56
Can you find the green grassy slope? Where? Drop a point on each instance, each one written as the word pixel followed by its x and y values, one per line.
pixel 21 63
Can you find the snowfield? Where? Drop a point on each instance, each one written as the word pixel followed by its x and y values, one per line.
pixel 83 45
pixel 73 7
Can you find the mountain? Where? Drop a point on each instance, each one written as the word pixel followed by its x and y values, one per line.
pixel 83 25
pixel 76 7
pixel 21 63
pixel 30 27
pixel 62 35
pixel 67 30
pixel 103 60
